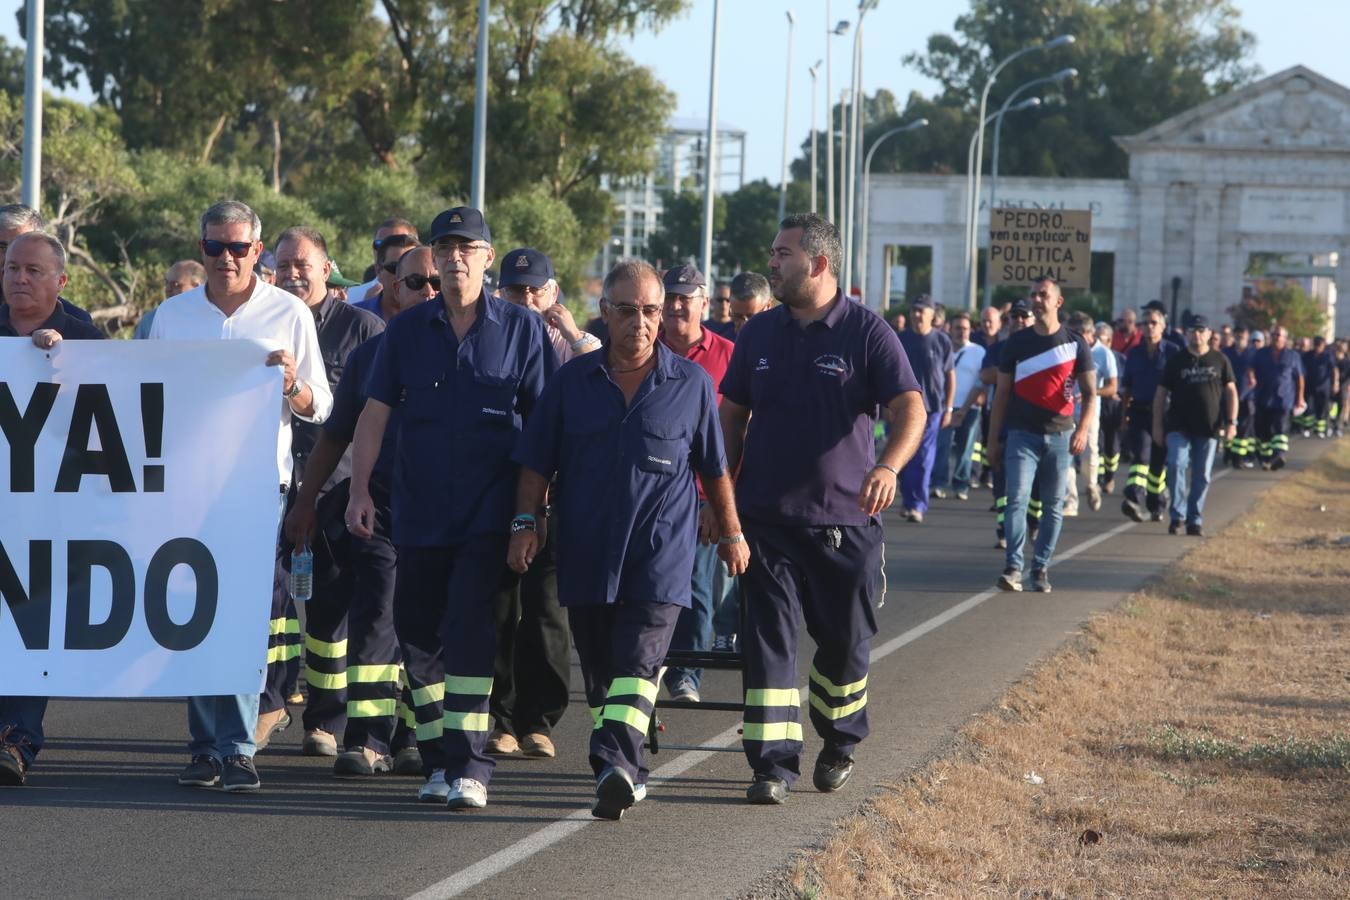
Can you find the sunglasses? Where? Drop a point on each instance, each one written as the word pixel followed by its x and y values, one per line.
pixel 238 249
pixel 416 281
pixel 391 268
pixel 393 240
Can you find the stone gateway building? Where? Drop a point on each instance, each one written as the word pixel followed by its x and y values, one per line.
pixel 1265 169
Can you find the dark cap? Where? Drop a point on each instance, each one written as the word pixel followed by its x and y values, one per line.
pixel 1021 307
pixel 923 301
pixel 685 280
pixel 1198 321
pixel 461 221
pixel 267 260
pixel 526 266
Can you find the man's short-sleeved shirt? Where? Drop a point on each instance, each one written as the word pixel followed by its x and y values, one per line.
pixel 1124 343
pixel 712 354
pixel 1277 377
pixel 813 394
pixel 1143 372
pixel 1241 361
pixel 1196 386
pixel 930 356
pixel 627 510
pixel 461 407
pixel 1105 363
pixel 1318 366
pixel 1043 369
pixel 277 318
pixel 967 363
pixel 341 328
pixel 71 328
pixel 349 398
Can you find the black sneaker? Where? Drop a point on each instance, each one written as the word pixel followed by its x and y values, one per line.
pixel 1040 581
pixel 614 793
pixel 1195 531
pixel 239 775
pixel 203 771
pixel 1131 510
pixel 767 790
pixel 1156 515
pixel 13 770
pixel 408 761
pixel 1174 526
pixel 1277 464
pixel 831 772
pixel 1010 580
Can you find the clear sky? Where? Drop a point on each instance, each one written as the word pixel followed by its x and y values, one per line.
pixel 753 55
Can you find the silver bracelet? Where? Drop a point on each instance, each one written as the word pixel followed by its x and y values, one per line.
pixel 731 538
pixel 894 471
pixel 585 340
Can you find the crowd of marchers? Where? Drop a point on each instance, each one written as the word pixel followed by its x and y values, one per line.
pixel 486 486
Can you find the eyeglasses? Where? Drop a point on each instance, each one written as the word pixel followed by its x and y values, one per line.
pixel 238 249
pixel 1153 322
pixel 462 249
pixel 391 268
pixel 393 240
pixel 415 281
pixel 629 311
pixel 519 290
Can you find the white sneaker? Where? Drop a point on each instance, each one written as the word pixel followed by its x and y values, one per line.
pixel 639 793
pixel 465 793
pixel 1070 510
pixel 435 790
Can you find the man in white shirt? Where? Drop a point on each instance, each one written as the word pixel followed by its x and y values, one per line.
pixel 959 436
pixel 1104 361
pixel 235 304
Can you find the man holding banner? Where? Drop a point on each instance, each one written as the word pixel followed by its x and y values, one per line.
pixel 236 304
pixel 35 273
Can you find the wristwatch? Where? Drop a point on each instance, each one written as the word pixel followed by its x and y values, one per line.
pixel 296 387
pixel 522 523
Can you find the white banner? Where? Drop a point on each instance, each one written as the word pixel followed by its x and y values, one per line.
pixel 138 517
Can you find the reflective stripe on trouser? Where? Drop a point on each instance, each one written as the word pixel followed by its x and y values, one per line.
pixel 1147 482
pixel 1272 433
pixel 283 644
pixel 1001 500
pixel 1108 440
pixel 1319 408
pixel 443 614
pixel 794 573
pixel 325 668
pixel 620 648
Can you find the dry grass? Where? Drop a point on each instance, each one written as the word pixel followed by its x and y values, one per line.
pixel 1194 743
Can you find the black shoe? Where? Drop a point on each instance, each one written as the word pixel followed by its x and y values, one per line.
pixel 1131 510
pixel 613 794
pixel 1174 526
pixel 356 762
pixel 1001 544
pixel 1010 580
pixel 203 771
pixel 831 772
pixel 767 790
pixel 239 775
pixel 13 770
pixel 1040 581
pixel 1277 464
pixel 408 761
pixel 1156 515
pixel 1195 531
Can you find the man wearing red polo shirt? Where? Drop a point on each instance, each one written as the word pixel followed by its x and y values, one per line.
pixel 684 333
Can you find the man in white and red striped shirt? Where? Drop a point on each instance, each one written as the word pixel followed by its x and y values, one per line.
pixel 1034 399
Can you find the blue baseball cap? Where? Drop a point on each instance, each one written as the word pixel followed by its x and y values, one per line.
pixel 1198 321
pixel 267 261
pixel 923 301
pixel 526 266
pixel 460 221
pixel 1021 307
pixel 684 280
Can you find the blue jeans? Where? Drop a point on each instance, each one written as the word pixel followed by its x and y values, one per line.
pixel 960 438
pixel 726 603
pixel 918 472
pixel 223 726
pixel 21 725
pixel 693 630
pixel 1197 454
pixel 1029 456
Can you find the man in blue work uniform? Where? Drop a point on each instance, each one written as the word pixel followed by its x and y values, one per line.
pixel 1277 372
pixel 625 430
pixel 464 371
pixel 800 398
pixel 930 356
pixel 1322 384
pixel 376 726
pixel 1144 364
pixel 1241 449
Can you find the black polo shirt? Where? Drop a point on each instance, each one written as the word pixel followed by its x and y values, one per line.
pixel 342 328
pixel 61 321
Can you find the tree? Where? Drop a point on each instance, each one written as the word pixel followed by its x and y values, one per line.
pixel 535 218
pixel 1288 306
pixel 680 235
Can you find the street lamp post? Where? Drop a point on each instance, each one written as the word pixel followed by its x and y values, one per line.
pixel 973 177
pixel 854 135
pixel 839 29
pixel 787 109
pixel 479 177
pixel 1029 103
pixel 815 188
pixel 1061 75
pixel 710 151
pixel 31 191
pixel 867 200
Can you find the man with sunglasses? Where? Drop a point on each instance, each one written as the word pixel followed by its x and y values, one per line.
pixel 395 230
pixel 1146 486
pixel 303 267
pixel 464 372
pixel 381 300
pixel 233 304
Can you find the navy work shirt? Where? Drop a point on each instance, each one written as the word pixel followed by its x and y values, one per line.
pixel 627 509
pixel 1241 361
pixel 461 406
pixel 349 398
pixel 1317 368
pixel 930 356
pixel 342 328
pixel 1277 377
pixel 61 321
pixel 813 393
pixel 1143 372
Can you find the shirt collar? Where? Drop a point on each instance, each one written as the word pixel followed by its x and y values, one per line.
pixel 323 310
pixel 56 321
pixel 838 310
pixel 487 307
pixel 666 367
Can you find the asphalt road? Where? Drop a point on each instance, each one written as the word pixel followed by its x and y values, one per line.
pixel 102 815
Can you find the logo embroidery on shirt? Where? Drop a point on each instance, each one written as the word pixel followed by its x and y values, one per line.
pixel 655 459
pixel 495 412
pixel 830 364
pixel 762 365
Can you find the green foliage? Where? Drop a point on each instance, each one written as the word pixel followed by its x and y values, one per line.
pixel 535 218
pixel 1288 306
pixel 679 239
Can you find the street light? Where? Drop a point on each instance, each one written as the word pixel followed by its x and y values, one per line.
pixel 1061 75
pixel 973 177
pixel 710 153
pixel 972 207
pixel 854 158
pixel 867 198
pixel 787 108
pixel 839 29
pixel 478 184
pixel 814 186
